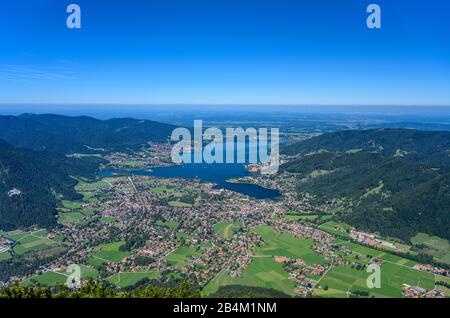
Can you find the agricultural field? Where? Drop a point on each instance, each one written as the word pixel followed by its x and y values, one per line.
pixel 179 204
pixel 15 235
pixel 336 229
pixel 301 217
pixel 286 245
pixel 70 217
pixel 127 279
pixel 172 225
pixel 444 289
pixel 435 246
pixel 108 253
pixel 326 217
pixel 263 270
pixel 180 255
pixel 48 279
pixel 343 279
pixel 57 278
pixel 108 219
pixel 5 256
pixel 88 189
pixel 226 230
pixel 395 271
pixel 161 189
pixel 130 164
pixel 73 211
pixel 31 241
pixel 367 251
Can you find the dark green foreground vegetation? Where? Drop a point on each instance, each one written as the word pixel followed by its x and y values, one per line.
pixel 237 291
pixel 97 290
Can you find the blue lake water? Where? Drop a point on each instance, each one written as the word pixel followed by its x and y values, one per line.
pixel 216 173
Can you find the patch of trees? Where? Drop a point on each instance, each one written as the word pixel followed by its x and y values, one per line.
pixel 144 261
pixel 359 293
pixel 135 239
pixel 441 283
pixel 238 291
pixel 97 290
pixel 21 265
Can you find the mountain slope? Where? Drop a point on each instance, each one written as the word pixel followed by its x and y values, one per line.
pixel 432 147
pixel 29 181
pixel 65 134
pixel 391 194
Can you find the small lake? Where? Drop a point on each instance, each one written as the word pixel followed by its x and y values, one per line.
pixel 215 173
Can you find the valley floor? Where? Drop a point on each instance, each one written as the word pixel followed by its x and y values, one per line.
pixel 134 230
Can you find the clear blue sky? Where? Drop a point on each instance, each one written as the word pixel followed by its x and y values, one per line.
pixel 225 51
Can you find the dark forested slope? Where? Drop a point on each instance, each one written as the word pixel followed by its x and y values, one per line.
pixel 29 181
pixel 395 192
pixel 65 134
pixel 432 147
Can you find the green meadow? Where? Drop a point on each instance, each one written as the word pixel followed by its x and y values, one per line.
pixel 367 251
pixel 172 225
pixel 435 246
pixel 334 228
pixel 395 272
pixel 57 278
pixel 179 204
pixel 226 230
pixel 161 189
pixel 31 241
pixel 180 255
pixel 263 270
pixel 343 279
pixel 108 219
pixel 301 217
pixel 73 211
pixel 109 253
pixel 283 244
pixel 5 256
pixel 126 279
pixel 132 164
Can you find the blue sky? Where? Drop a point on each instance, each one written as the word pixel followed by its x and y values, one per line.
pixel 225 52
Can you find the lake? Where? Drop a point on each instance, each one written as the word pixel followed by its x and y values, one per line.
pixel 216 173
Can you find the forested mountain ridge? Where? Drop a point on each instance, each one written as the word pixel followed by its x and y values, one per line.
pixel 431 147
pixel 64 134
pixel 396 194
pixel 30 180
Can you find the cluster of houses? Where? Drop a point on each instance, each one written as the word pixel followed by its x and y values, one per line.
pixel 419 292
pixel 432 269
pixel 5 244
pixel 157 155
pixel 371 240
pixel 14 192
